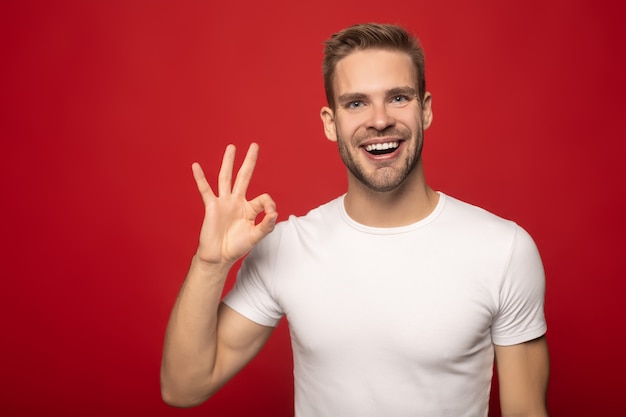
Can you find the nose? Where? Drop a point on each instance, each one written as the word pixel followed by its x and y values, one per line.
pixel 380 118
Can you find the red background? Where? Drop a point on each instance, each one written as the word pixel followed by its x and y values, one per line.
pixel 105 105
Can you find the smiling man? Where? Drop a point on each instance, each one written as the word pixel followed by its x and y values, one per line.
pixel 399 298
pixel 378 122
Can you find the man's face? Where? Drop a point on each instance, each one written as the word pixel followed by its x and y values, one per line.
pixel 378 120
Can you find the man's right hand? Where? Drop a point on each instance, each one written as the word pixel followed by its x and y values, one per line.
pixel 229 229
pixel 206 342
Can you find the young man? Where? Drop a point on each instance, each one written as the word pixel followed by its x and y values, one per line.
pixel 397 296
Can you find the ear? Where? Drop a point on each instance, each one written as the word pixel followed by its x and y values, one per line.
pixel 328 118
pixel 427 110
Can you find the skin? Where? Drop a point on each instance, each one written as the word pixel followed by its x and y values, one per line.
pixel 523 373
pixel 377 102
pixel 207 343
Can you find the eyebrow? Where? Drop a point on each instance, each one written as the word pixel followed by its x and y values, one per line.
pixel 350 97
pixel 402 91
pixel 397 91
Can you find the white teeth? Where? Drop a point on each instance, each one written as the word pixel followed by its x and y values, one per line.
pixel 381 146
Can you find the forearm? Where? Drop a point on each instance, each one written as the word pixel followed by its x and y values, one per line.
pixel 190 348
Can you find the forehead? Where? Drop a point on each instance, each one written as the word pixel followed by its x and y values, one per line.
pixel 372 70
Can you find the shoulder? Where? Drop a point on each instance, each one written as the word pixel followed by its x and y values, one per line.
pixel 466 211
pixel 323 216
pixel 482 231
pixel 474 219
pixel 317 222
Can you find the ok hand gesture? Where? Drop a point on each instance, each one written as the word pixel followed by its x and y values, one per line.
pixel 229 230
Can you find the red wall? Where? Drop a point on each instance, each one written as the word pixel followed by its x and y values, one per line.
pixel 105 105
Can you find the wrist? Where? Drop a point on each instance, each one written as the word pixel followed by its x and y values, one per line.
pixel 210 268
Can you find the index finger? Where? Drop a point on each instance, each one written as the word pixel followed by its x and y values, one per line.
pixel 245 172
pixel 201 182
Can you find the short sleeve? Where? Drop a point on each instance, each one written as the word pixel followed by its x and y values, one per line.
pixel 252 295
pixel 520 315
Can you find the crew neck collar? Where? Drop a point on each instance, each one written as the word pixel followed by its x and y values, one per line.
pixel 393 230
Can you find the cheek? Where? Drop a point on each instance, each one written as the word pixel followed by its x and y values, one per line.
pixel 413 124
pixel 410 116
pixel 350 122
pixel 345 130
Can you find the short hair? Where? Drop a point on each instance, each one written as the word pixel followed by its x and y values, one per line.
pixel 371 36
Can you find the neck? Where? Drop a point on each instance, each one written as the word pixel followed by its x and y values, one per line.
pixel 410 202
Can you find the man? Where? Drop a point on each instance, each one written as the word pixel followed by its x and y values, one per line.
pixel 397 296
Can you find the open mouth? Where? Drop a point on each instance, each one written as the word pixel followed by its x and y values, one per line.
pixel 382 148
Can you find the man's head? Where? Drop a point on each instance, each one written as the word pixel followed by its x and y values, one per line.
pixel 371 36
pixel 377 107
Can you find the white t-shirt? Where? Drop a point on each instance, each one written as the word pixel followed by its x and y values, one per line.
pixel 395 321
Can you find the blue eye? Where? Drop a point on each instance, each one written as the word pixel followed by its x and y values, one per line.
pixel 355 104
pixel 400 100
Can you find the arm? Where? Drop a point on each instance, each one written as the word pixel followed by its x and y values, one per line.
pixel 523 372
pixel 206 343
